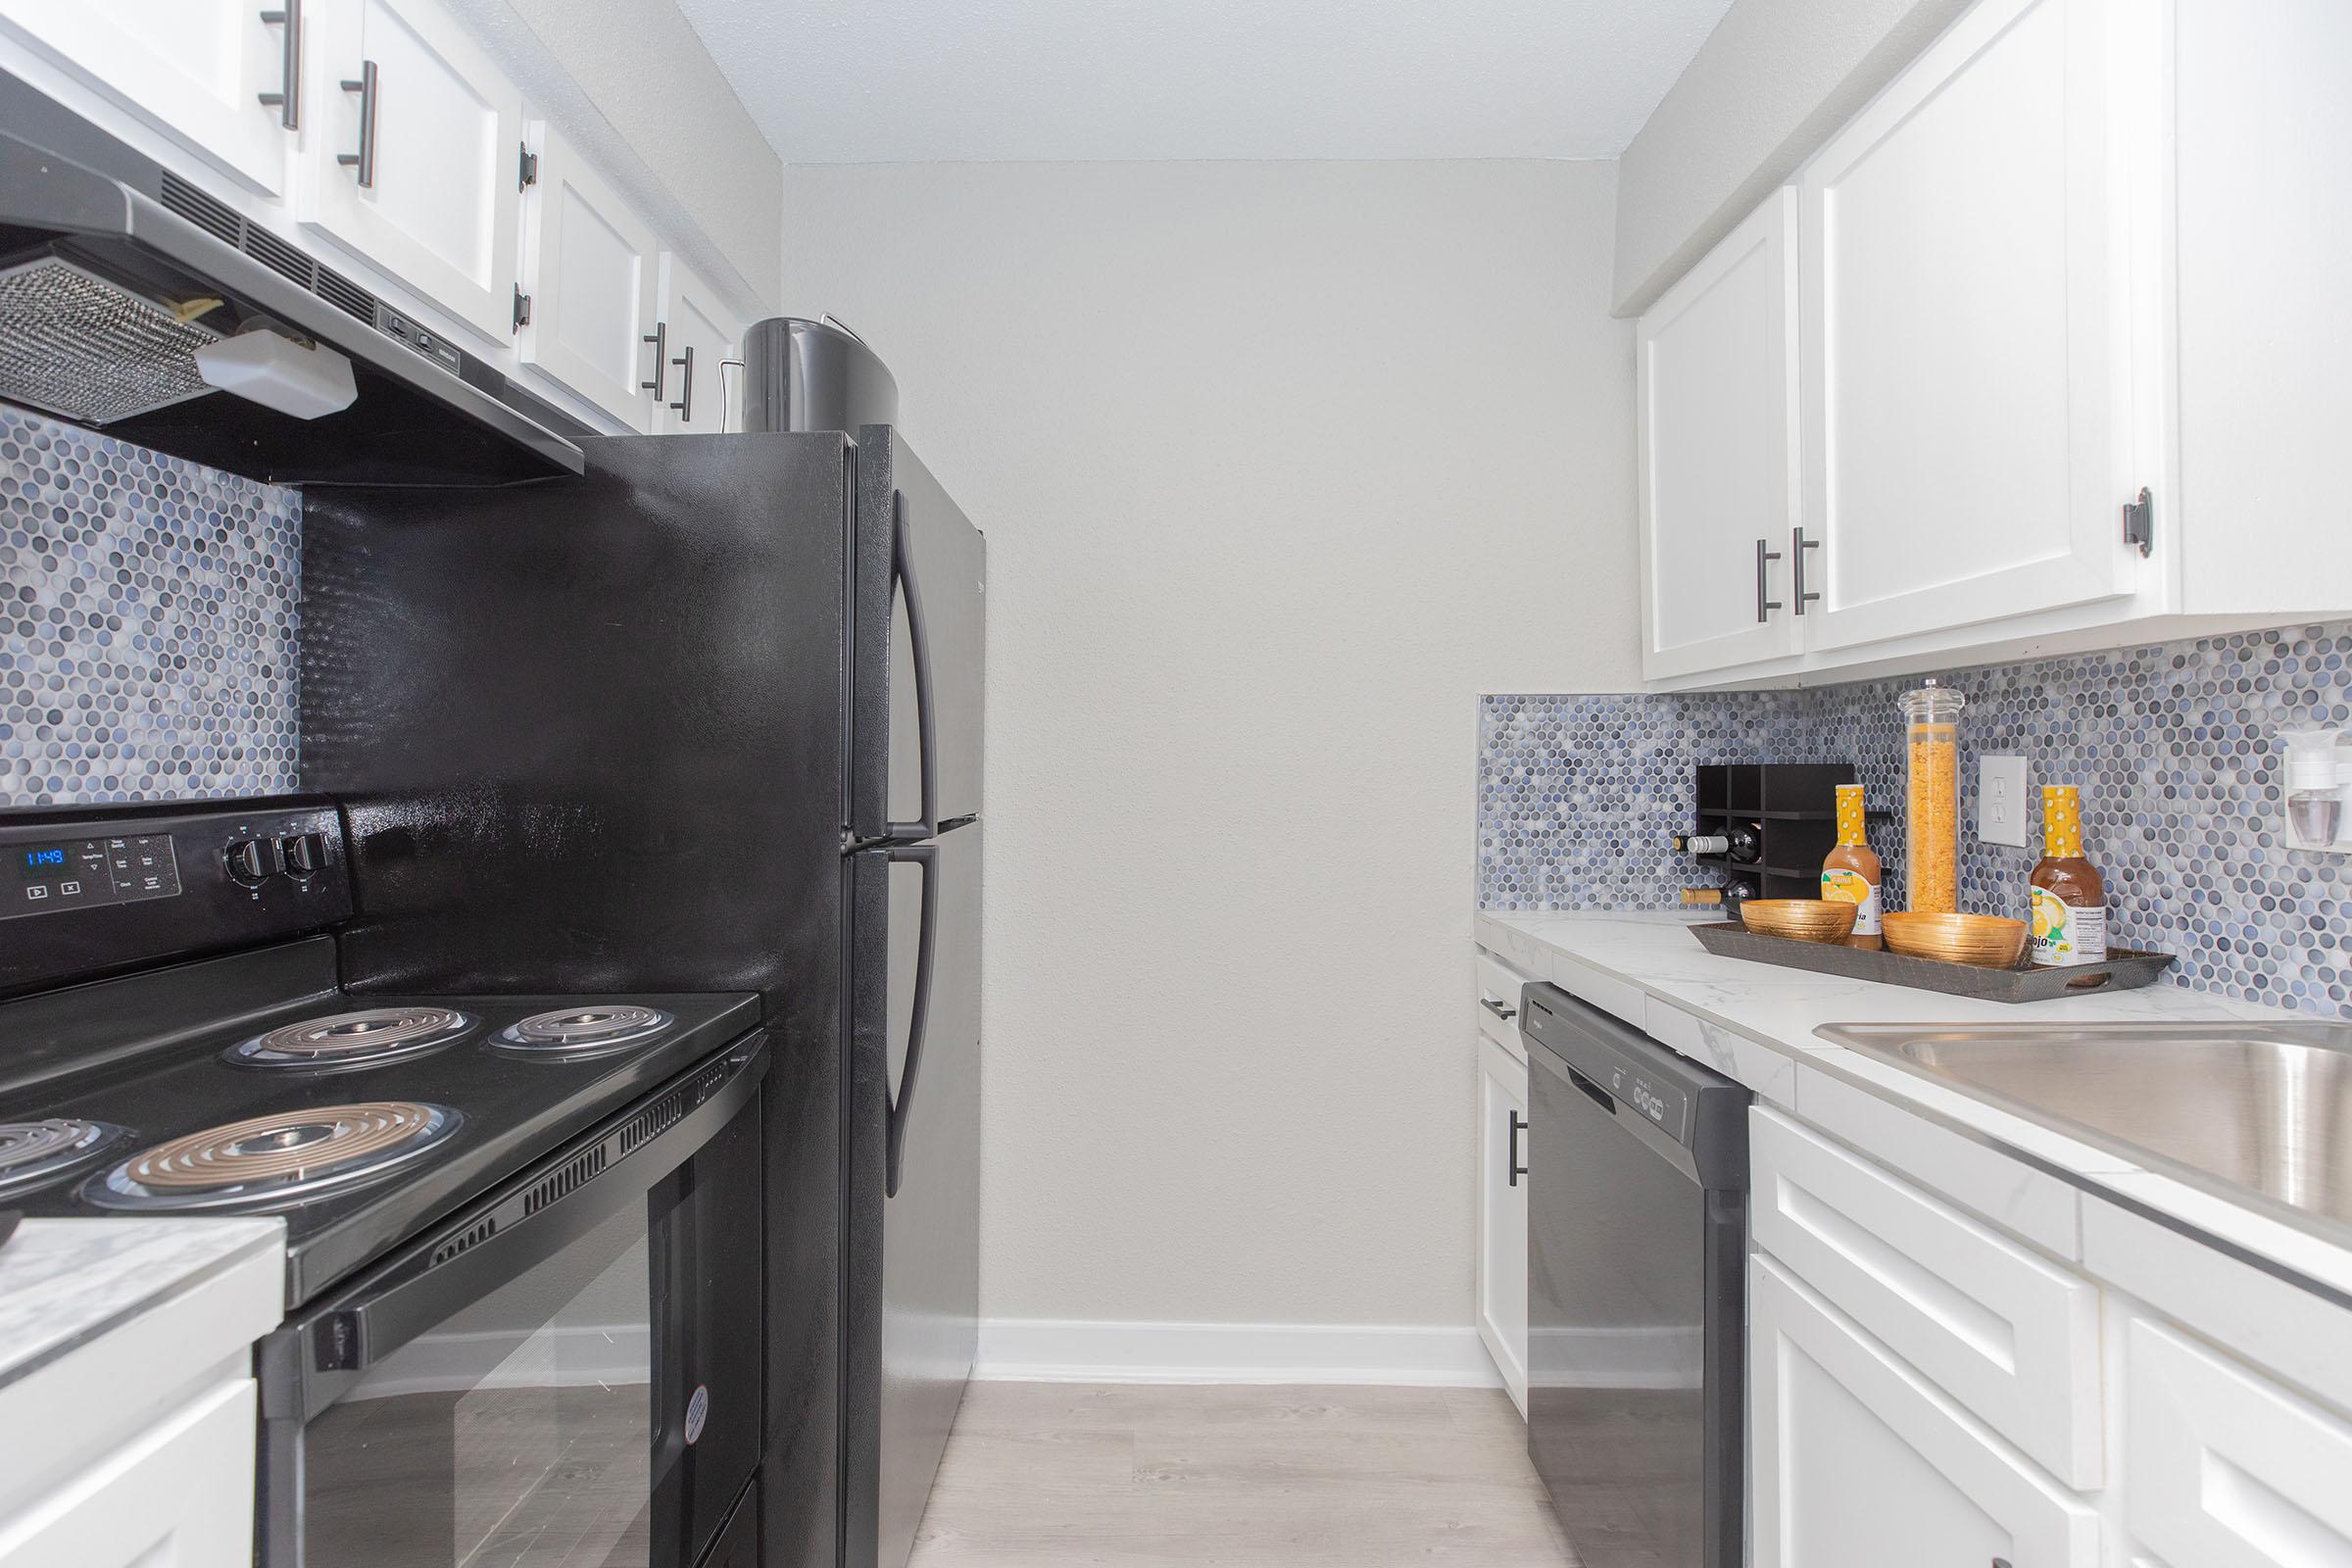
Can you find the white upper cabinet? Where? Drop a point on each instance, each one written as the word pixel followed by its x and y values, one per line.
pixel 1717 469
pixel 199 69
pixel 1967 364
pixel 411 149
pixel 700 394
pixel 589 273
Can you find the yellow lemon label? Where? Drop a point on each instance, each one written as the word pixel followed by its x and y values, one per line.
pixel 2066 935
pixel 1851 887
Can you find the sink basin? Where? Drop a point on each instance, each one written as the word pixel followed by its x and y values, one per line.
pixel 2259 1108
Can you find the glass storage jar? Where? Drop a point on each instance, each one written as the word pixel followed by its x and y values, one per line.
pixel 1932 803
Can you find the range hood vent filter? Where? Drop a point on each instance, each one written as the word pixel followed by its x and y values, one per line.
pixel 73 344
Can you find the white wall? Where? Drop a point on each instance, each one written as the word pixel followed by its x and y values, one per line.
pixel 631 84
pixel 1280 465
pixel 1766 88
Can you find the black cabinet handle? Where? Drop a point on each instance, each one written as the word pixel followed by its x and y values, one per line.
pixel 1764 553
pixel 1498 1010
pixel 363 159
pixel 685 403
pixel 1518 1126
pixel 659 337
pixel 1799 544
pixel 287 100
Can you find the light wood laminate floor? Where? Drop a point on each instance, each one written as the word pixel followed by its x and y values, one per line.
pixel 1038 1475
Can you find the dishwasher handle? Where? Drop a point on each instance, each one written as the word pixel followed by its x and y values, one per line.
pixel 1593 1092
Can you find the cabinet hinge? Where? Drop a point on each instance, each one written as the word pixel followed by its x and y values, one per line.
pixel 526 172
pixel 522 308
pixel 2139 522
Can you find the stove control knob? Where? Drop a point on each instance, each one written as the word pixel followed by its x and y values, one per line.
pixel 304 853
pixel 249 862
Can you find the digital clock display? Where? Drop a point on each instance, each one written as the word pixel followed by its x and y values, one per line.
pixel 44 863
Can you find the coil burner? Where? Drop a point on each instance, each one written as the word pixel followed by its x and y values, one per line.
pixel 571 1033
pixel 349 1040
pixel 276 1161
pixel 34 1154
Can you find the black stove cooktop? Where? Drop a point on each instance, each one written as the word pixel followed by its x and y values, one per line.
pixel 251 1085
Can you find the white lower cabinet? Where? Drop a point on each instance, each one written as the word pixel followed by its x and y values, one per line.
pixel 179 1493
pixel 2227 1469
pixel 1502 1213
pixel 1856 1462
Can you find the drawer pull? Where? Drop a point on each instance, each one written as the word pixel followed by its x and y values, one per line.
pixel 1498 1010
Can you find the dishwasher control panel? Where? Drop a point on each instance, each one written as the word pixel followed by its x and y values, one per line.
pixel 1607 1057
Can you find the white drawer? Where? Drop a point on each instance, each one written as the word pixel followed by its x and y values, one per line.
pixel 2010 1336
pixel 1501 997
pixel 2225 1467
pixel 180 1492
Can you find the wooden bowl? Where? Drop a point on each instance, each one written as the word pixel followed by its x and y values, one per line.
pixel 1988 941
pixel 1805 919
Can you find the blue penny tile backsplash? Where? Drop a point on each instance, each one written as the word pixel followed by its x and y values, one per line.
pixel 149 612
pixel 2173 747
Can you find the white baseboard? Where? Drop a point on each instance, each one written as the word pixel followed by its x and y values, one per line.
pixel 1082 1351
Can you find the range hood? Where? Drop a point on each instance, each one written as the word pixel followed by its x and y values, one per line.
pixel 115 271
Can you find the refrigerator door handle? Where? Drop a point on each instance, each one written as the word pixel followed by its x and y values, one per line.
pixel 918 637
pixel 925 855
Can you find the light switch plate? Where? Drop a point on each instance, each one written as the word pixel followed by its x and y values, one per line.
pixel 2001 800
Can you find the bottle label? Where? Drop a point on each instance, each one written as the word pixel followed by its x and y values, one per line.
pixel 1851 887
pixel 2065 935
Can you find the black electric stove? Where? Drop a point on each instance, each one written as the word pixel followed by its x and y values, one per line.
pixel 249 1082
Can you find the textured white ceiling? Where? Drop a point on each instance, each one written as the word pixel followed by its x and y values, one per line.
pixel 851 82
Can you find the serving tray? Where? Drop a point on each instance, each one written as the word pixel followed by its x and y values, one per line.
pixel 2124 969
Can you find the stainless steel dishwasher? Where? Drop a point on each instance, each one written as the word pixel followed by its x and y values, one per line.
pixel 1637 1241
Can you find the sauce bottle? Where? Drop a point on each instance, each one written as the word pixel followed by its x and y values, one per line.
pixel 2070 896
pixel 1850 873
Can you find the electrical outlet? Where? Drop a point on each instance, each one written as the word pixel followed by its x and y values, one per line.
pixel 2001 800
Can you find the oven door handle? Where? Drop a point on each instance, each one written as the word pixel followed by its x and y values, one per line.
pixel 313 1360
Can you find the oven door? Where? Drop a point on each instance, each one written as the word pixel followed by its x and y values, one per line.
pixel 568 1373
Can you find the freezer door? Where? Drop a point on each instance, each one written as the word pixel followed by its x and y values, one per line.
pixel 918 624
pixel 915 1162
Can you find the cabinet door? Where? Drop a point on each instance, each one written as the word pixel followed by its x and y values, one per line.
pixel 1502 1215
pixel 589 269
pixel 701 394
pixel 1716 361
pixel 1966 346
pixel 435 136
pixel 196 69
pixel 180 1492
pixel 2225 1469
pixel 1854 1462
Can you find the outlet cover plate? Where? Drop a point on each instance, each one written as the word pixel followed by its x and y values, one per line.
pixel 2001 800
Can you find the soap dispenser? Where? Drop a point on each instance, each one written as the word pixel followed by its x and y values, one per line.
pixel 2316 765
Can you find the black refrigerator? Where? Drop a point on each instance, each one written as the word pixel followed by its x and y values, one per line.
pixel 708 718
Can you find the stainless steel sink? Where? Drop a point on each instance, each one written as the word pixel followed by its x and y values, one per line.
pixel 2262 1108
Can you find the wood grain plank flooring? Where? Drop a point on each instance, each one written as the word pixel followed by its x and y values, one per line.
pixel 1043 1475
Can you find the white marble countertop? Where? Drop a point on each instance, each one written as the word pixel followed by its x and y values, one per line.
pixel 1756 1023
pixel 63 1282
